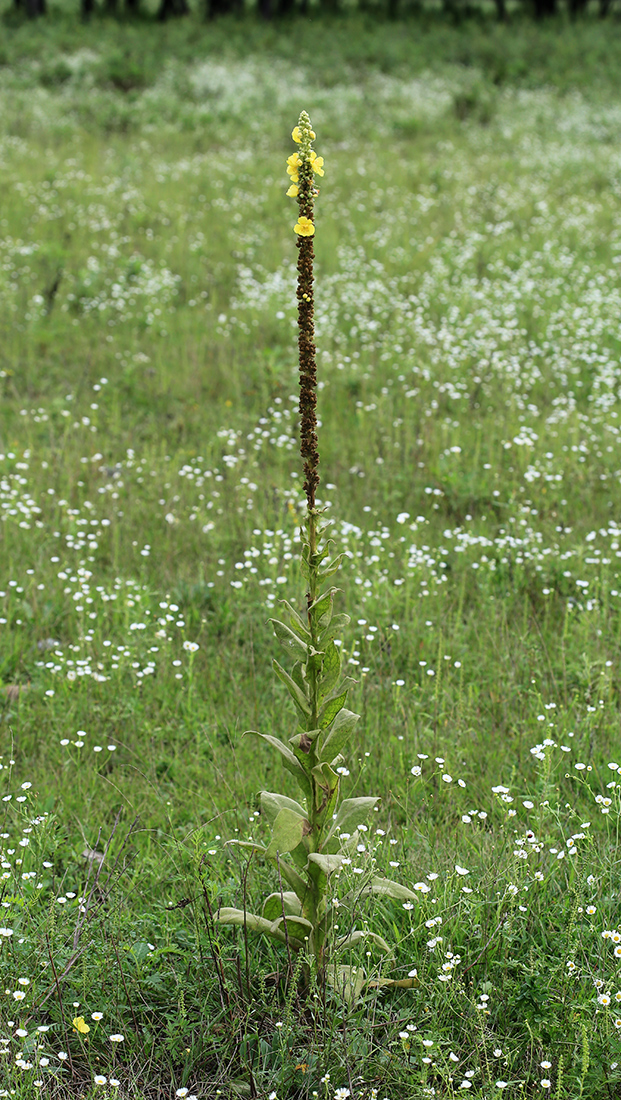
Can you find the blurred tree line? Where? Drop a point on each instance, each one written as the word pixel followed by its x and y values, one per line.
pixel 275 9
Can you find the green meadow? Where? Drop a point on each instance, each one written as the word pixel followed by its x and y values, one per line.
pixel 467 305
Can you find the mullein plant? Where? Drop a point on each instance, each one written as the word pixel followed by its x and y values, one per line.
pixel 310 838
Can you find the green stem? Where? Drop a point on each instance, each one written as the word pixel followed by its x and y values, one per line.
pixel 312 620
pixel 315 876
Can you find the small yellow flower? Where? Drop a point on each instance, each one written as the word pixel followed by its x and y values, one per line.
pixel 80 1025
pixel 293 191
pixel 297 136
pixel 316 163
pixel 304 227
pixel 293 162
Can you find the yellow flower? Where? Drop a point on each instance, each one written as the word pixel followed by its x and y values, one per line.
pixel 316 163
pixel 304 227
pixel 293 163
pixel 297 136
pixel 293 191
pixel 80 1025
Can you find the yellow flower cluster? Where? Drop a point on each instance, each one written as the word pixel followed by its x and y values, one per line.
pixel 303 135
pixel 294 164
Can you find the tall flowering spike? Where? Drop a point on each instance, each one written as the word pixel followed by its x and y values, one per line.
pixel 306 836
pixel 302 167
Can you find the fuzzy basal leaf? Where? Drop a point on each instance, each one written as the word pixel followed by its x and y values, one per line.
pixel 241 917
pixel 260 924
pixel 275 903
pixel 272 804
pixel 296 926
pixel 248 845
pixel 294 879
pixel 287 832
pixel 391 889
pixel 327 863
pixel 364 937
pixel 396 983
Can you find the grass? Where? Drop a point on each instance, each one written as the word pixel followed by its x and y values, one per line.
pixel 467 302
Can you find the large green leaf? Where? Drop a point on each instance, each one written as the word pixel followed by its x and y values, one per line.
pixel 396 983
pixel 258 924
pixel 293 878
pixel 289 760
pixel 287 832
pixel 249 844
pixel 299 855
pixel 351 813
pixel 241 917
pixel 338 736
pixel 364 937
pixel 330 671
pixel 296 693
pixel 275 903
pixel 330 709
pixel 346 846
pixel 321 609
pixel 297 675
pixel 302 743
pixel 391 889
pixel 327 863
pixel 272 804
pixel 298 927
pixel 298 624
pixel 337 626
pixel 289 639
pixel 326 792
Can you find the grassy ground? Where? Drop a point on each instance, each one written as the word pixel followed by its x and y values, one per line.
pixel 469 286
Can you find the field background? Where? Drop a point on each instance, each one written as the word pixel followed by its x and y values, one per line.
pixel 467 306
